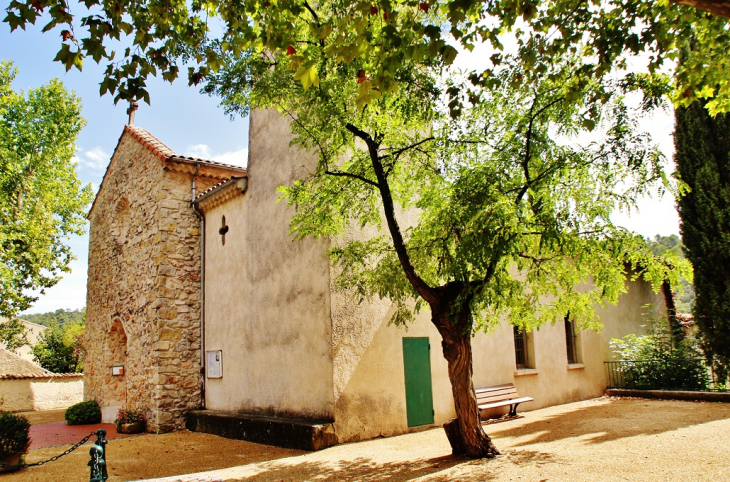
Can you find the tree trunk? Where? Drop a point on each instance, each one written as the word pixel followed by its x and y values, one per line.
pixel 465 432
pixel 675 328
pixel 721 8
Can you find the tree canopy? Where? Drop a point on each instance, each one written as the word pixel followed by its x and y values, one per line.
pixel 497 212
pixel 484 194
pixel 672 250
pixel 42 201
pixel 158 37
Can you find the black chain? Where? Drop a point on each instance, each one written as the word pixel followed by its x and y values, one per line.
pixel 52 459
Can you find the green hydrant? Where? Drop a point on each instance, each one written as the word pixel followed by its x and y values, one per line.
pixel 97 463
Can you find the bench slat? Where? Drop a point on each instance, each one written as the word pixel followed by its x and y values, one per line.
pixel 500 393
pixel 505 402
pixel 500 396
pixel 495 387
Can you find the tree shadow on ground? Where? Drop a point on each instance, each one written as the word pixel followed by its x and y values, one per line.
pixel 439 469
pixel 614 420
pixel 360 469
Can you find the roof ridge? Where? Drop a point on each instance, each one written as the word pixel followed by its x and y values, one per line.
pixel 219 185
pixel 20 376
pixel 156 146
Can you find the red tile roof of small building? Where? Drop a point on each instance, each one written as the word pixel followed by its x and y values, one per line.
pixel 23 376
pixel 164 153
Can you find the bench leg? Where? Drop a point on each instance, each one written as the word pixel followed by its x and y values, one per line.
pixel 513 410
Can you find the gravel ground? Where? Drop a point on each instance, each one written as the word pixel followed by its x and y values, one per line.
pixel 596 440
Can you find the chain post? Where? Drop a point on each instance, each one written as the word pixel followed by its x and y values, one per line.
pixel 97 464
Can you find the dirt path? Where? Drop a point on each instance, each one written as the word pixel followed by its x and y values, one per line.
pixel 597 440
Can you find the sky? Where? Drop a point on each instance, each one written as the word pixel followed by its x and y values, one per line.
pixel 192 124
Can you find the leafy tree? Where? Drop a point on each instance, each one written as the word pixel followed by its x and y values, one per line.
pixel 488 165
pixel 60 317
pixel 703 162
pixel 13 334
pixel 162 37
pixel 60 349
pixel 41 199
pixel 464 203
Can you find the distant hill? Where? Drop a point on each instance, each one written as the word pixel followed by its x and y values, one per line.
pixel 62 317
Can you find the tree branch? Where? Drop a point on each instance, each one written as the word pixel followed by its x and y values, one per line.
pixel 428 293
pixel 311 10
pixel 528 145
pixel 351 175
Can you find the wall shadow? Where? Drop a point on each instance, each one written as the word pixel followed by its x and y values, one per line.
pixel 615 420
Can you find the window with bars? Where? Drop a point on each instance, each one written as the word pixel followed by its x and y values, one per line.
pixel 522 359
pixel 571 340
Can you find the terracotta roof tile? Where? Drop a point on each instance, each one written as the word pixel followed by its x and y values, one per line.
pixel 220 184
pixel 150 142
pixel 12 364
pixel 197 160
pixel 22 376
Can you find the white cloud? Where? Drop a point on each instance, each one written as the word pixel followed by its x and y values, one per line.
pixel 203 151
pixel 198 150
pixel 237 158
pixel 95 158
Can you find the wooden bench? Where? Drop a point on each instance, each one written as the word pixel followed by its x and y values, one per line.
pixel 500 396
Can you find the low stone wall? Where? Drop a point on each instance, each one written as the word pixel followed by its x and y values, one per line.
pixel 25 393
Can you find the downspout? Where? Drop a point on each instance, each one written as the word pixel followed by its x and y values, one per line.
pixel 201 217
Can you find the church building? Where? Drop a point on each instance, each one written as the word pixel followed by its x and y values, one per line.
pixel 204 311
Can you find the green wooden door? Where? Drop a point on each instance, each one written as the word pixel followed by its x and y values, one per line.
pixel 417 368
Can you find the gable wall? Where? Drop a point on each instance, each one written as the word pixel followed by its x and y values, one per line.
pixel 144 289
pixel 266 295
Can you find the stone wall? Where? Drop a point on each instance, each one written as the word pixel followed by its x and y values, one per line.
pixel 143 293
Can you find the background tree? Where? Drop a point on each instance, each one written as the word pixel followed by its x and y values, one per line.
pixel 703 161
pixel 60 317
pixel 60 349
pixel 684 293
pixel 42 201
pixel 13 334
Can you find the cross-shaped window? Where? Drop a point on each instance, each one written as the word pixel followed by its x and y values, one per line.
pixel 223 230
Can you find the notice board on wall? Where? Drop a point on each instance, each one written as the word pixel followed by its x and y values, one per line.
pixel 214 365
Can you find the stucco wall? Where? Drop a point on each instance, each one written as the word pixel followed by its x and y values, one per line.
pixel 144 288
pixel 369 374
pixel 267 297
pixel 27 394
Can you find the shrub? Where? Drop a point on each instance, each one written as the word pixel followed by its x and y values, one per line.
pixel 129 416
pixel 651 362
pixel 14 437
pixel 83 413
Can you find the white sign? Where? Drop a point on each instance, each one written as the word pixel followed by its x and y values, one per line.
pixel 214 364
pixel 118 371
